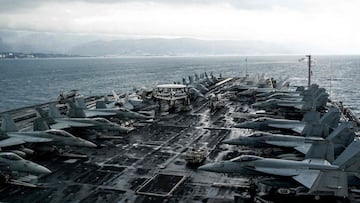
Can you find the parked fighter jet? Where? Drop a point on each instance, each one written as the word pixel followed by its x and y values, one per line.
pixel 314 97
pixel 330 119
pixel 341 137
pixel 12 137
pixel 298 92
pixel 79 110
pixel 57 121
pixel 260 85
pixel 11 162
pixel 131 102
pixel 318 172
pixel 42 139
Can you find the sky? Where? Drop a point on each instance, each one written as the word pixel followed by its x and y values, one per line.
pixel 328 26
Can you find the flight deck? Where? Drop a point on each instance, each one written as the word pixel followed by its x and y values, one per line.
pixel 148 164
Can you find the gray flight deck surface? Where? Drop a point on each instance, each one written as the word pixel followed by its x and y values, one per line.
pixel 147 164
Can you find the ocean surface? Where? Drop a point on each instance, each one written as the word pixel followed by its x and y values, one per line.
pixel 25 82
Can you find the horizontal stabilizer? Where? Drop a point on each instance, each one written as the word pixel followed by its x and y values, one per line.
pixel 334 182
pixel 307 177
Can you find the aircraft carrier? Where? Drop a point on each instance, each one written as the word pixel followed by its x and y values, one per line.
pixel 149 164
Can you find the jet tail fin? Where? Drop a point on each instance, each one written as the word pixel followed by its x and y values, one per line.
pixel 331 118
pixel 8 124
pixel 116 96
pixel 310 91
pixel 40 124
pixel 311 117
pixel 321 150
pixel 349 159
pixel 341 137
pixel 315 130
pixel 319 127
pixel 74 111
pixel 45 116
pixel 41 112
pixel 80 102
pixel 331 182
pixel 54 111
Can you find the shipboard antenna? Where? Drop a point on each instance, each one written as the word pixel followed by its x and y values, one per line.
pixel 309 71
pixel 309 60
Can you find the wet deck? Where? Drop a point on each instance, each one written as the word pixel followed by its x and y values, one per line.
pixel 146 165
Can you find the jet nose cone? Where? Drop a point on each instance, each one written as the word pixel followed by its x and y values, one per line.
pixel 85 143
pixel 241 125
pixel 213 167
pixel 89 144
pixel 36 168
pixel 230 141
pixel 43 170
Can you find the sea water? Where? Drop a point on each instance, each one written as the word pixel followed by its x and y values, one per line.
pixel 26 82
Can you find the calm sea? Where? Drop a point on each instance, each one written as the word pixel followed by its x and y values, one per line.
pixel 26 82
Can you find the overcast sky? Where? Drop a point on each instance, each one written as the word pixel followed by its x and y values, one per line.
pixel 330 26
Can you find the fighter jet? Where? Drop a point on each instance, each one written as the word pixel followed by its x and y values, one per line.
pixel 11 162
pixel 260 85
pixel 341 137
pixel 313 98
pixel 57 121
pixel 12 137
pixel 79 110
pixel 318 172
pixel 330 119
pixel 131 102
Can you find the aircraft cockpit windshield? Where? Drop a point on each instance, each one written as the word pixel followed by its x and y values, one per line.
pixel 262 119
pixel 59 133
pixel 124 110
pixel 10 156
pixel 244 158
pixel 102 120
pixel 257 135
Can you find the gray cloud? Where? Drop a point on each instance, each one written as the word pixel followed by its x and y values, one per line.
pixel 14 5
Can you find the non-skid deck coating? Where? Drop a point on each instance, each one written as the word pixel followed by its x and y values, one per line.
pixel 147 165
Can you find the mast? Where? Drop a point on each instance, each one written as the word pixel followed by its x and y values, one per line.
pixel 309 71
pixel 246 68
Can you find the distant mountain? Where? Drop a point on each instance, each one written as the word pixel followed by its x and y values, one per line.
pixel 104 45
pixel 41 42
pixel 180 46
